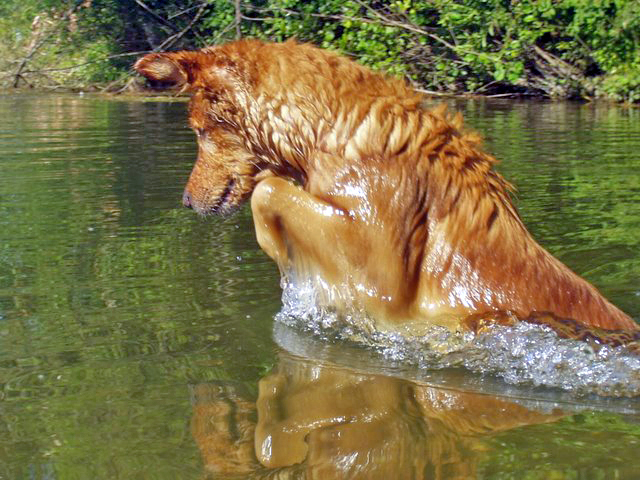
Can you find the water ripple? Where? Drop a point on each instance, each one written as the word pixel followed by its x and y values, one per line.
pixel 524 354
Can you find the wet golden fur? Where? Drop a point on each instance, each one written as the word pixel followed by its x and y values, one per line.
pixel 387 206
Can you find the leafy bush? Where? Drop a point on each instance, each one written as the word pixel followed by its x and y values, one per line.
pixel 554 48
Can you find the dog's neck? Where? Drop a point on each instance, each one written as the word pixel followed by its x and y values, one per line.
pixel 406 143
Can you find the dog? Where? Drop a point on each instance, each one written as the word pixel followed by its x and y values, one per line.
pixel 388 207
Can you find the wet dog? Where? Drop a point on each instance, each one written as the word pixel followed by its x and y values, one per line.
pixel 386 206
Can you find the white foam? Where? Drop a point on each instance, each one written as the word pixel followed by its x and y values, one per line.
pixel 524 354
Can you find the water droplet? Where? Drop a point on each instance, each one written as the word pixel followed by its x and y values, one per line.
pixel 523 354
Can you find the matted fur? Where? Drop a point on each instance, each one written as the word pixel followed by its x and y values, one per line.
pixel 357 187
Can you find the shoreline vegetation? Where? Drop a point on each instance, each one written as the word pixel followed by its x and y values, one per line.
pixel 558 49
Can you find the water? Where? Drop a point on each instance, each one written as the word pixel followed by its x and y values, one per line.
pixel 138 340
pixel 524 354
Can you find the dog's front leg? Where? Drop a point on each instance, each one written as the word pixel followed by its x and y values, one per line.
pixel 294 226
pixel 349 260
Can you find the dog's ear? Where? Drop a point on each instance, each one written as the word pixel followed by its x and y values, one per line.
pixel 178 69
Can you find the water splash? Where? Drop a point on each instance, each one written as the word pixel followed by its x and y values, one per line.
pixel 524 354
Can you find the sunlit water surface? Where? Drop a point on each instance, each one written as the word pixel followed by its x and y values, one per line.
pixel 138 340
pixel 524 354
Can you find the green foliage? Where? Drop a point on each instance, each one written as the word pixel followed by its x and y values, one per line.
pixel 560 48
pixel 555 48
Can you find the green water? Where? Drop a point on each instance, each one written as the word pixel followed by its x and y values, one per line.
pixel 137 339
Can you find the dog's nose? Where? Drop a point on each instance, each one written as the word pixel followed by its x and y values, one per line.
pixel 186 199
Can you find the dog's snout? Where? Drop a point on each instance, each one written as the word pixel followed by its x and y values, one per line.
pixel 186 199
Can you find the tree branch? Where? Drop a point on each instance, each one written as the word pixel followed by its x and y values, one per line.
pixel 160 19
pixel 18 75
pixel 174 38
pixel 238 19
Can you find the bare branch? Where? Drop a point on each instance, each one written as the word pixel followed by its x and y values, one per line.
pixel 160 19
pixel 238 19
pixel 223 32
pixel 380 20
pixel 18 75
pixel 409 26
pixel 78 65
pixel 174 38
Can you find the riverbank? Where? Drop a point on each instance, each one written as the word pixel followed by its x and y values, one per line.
pixel 563 49
pixel 144 93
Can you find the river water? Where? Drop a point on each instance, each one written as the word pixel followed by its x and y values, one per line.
pixel 138 340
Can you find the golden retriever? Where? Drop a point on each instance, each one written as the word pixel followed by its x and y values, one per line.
pixel 386 206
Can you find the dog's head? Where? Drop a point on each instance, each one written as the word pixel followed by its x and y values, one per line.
pixel 225 171
pixel 266 108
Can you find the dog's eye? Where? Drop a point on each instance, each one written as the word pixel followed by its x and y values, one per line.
pixel 200 132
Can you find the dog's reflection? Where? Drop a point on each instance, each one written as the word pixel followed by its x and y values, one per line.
pixel 329 422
